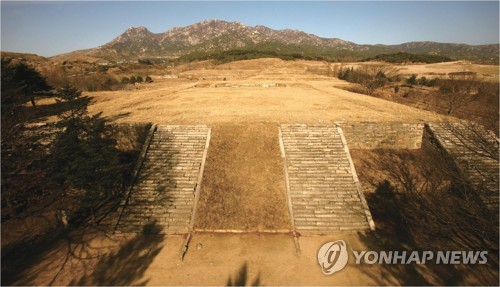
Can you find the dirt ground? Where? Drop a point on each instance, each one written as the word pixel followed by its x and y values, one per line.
pixel 243 186
pixel 225 259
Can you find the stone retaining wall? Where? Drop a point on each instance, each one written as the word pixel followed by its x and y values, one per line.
pixel 390 135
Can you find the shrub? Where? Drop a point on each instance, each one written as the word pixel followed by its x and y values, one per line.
pixel 412 80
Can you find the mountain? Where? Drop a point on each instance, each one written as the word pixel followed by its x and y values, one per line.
pixel 214 36
pixel 477 53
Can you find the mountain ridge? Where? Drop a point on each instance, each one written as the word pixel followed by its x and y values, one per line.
pixel 218 35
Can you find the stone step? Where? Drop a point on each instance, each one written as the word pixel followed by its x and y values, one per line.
pixel 164 191
pixel 468 145
pixel 323 187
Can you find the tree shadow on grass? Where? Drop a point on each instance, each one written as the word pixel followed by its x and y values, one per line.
pixel 127 265
pixel 42 112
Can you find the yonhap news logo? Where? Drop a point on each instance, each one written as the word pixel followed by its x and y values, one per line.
pixel 333 257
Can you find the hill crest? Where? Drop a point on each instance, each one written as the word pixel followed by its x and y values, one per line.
pixel 217 35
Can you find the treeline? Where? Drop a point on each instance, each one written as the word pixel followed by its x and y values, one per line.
pixel 238 55
pixel 276 50
pixel 98 81
pixel 291 53
pixel 402 57
pixel 91 77
pixel 370 77
pixel 136 79
pixel 460 94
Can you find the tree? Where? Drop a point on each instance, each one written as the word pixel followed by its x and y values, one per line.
pixel 27 80
pixel 149 79
pixel 32 81
pixel 345 74
pixel 139 79
pixel 133 80
pixel 125 80
pixel 77 109
pixel 24 147
pixel 459 83
pixel 84 156
pixel 109 83
pixel 373 77
pixel 412 80
pixel 423 81
pixel 11 89
pixel 458 91
pixel 456 101
pixel 370 77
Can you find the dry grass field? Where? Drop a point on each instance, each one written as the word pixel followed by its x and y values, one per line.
pixel 487 72
pixel 250 98
pixel 263 91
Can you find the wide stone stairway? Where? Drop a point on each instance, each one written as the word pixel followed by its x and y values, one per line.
pixel 324 190
pixel 166 186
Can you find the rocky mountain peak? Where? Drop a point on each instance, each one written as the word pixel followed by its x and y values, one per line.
pixel 218 35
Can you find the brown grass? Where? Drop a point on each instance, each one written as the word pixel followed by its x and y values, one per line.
pixel 243 184
pixel 307 97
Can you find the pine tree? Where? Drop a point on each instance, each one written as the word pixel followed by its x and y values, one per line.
pixel 84 156
pixel 30 81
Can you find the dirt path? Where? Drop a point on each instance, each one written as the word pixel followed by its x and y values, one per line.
pixel 243 185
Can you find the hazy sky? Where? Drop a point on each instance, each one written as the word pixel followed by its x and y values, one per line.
pixel 50 28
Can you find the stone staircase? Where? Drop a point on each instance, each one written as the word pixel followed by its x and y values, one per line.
pixel 475 152
pixel 165 190
pixel 324 191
